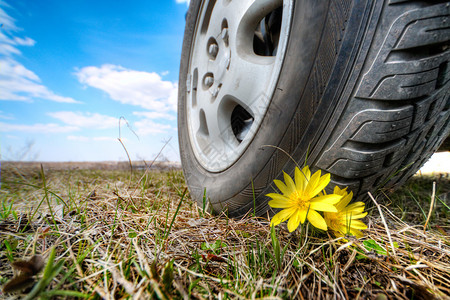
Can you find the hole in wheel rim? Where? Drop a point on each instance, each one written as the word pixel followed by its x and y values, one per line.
pixel 241 122
pixel 267 34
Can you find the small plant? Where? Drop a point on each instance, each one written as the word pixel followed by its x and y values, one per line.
pixel 215 247
pixel 278 252
pixel 372 245
pixel 7 209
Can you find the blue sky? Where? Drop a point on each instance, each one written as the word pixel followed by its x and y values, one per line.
pixel 69 70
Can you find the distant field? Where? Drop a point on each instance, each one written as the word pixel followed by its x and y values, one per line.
pixel 101 165
pixel 106 232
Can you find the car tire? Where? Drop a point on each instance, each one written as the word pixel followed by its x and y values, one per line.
pixel 361 91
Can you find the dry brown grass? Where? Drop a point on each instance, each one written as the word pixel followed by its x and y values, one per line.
pixel 142 237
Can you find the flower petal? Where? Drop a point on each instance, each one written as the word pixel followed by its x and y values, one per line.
pixel 328 217
pixel 357 206
pixel 281 186
pixel 307 173
pixel 289 183
pixel 282 216
pixel 354 214
pixel 302 215
pixel 294 221
pixel 357 224
pixel 357 233
pixel 337 233
pixel 276 196
pixel 316 220
pixel 343 229
pixel 301 179
pixel 339 191
pixel 358 215
pixel 344 201
pixel 277 203
pixel 312 184
pixel 329 199
pixel 322 182
pixel 323 206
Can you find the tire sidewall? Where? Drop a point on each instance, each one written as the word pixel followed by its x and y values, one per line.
pixel 308 20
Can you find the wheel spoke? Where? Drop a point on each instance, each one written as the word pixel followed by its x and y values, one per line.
pixel 247 82
pixel 241 16
pixel 213 133
pixel 246 14
pixel 220 133
pixel 198 56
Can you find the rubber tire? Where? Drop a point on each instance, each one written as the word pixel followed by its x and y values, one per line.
pixel 363 94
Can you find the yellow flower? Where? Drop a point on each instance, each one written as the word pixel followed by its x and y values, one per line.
pixel 300 199
pixel 345 220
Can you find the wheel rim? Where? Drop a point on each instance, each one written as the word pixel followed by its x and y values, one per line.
pixel 234 65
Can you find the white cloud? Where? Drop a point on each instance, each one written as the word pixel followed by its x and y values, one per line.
pixel 17 83
pixel 6 49
pixel 80 138
pixel 148 127
pixel 73 121
pixel 24 42
pixel 9 24
pixel 164 73
pixel 127 86
pixel 154 115
pixel 107 139
pixel 36 128
pixel 183 1
pixel 85 120
pixel 6 116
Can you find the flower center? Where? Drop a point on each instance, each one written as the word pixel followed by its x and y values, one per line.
pixel 299 200
pixel 335 220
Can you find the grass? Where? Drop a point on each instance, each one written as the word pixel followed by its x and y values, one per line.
pixel 108 234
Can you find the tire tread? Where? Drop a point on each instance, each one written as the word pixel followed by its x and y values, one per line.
pixel 399 114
